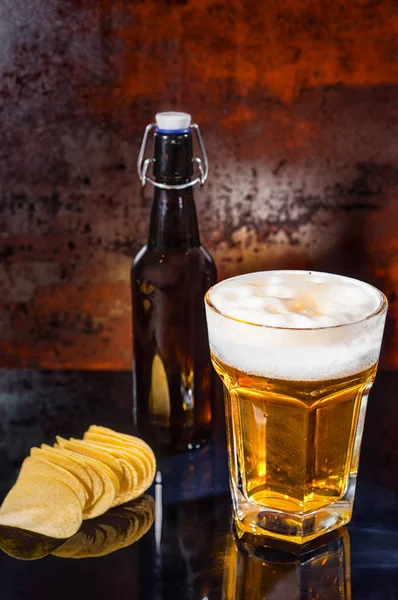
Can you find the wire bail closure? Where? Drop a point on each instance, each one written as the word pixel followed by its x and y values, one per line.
pixel 143 165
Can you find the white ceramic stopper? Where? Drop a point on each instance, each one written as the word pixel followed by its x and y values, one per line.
pixel 173 121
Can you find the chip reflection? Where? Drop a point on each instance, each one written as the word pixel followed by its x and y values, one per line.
pixel 118 528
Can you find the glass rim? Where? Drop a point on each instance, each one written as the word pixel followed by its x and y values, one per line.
pixel 382 306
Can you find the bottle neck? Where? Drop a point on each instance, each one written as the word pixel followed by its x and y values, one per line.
pixel 172 153
pixel 173 222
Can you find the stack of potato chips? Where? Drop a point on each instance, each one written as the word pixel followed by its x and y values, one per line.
pixel 59 486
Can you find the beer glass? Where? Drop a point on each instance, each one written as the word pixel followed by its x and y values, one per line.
pixel 297 352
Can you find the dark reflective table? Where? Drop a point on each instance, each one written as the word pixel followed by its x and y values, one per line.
pixel 190 551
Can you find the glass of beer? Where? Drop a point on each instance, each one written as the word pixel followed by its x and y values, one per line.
pixel 297 352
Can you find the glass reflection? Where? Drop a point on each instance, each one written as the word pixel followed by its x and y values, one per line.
pixel 253 573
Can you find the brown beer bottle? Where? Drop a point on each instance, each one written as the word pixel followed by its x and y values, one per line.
pixel 173 377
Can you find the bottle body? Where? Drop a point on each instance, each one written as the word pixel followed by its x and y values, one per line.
pixel 173 377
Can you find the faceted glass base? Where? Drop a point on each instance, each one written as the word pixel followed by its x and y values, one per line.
pixel 294 528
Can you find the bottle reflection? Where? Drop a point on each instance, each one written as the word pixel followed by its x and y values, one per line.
pixel 253 573
pixel 177 557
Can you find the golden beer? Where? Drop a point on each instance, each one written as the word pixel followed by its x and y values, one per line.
pixel 293 442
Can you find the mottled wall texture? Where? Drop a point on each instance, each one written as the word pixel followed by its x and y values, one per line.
pixel 297 101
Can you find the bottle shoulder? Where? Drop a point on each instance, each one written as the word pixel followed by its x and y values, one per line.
pixel 149 255
pixel 172 263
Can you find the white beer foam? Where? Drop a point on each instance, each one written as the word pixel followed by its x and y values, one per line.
pixel 275 324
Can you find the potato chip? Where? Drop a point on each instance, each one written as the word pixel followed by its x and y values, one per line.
pixel 124 437
pixel 129 443
pixel 134 457
pixel 109 484
pixel 97 486
pixel 110 461
pixel 41 501
pixel 129 480
pixel 80 447
pixel 54 456
pixel 136 449
pixel 132 480
pixel 37 466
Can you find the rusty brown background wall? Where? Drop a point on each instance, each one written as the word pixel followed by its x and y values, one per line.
pixel 297 103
